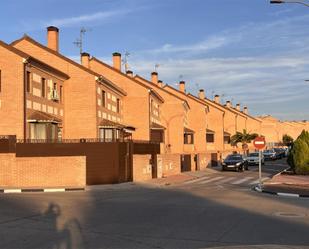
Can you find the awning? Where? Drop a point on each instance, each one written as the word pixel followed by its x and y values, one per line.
pixel 155 126
pixel 209 131
pixel 105 123
pixel 188 131
pixel 42 117
pixel 226 134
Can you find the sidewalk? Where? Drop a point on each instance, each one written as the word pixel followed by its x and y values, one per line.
pixel 289 184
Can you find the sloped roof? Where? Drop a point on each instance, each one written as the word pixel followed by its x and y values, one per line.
pixel 100 77
pixel 38 116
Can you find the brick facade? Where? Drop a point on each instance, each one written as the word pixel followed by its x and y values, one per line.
pixel 142 168
pixel 27 172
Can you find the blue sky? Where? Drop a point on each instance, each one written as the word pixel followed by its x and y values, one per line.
pixel 249 51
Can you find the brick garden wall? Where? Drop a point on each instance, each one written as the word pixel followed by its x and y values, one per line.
pixel 142 169
pixel 170 164
pixel 67 171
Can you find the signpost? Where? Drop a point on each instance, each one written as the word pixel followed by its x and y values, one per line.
pixel 259 143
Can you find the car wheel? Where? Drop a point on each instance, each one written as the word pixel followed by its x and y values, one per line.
pixel 246 167
pixel 223 169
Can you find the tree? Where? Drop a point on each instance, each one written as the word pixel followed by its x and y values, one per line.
pixel 299 156
pixel 287 140
pixel 244 138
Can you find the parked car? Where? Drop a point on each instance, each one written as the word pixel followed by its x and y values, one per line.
pixel 235 162
pixel 269 155
pixel 280 153
pixel 253 158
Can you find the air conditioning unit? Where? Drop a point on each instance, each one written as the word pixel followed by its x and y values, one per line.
pixel 54 95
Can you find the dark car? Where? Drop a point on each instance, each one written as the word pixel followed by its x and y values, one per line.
pixel 280 153
pixel 235 162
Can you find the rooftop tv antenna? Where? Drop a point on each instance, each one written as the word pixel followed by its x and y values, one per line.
pixel 156 67
pixel 125 61
pixel 79 41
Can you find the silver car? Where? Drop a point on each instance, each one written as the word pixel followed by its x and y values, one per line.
pixel 253 158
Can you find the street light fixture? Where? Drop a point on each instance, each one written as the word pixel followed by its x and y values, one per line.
pixel 282 1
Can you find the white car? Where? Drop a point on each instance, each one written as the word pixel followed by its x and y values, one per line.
pixel 253 158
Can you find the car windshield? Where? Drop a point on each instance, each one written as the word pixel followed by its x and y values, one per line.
pixel 268 151
pixel 234 157
pixel 254 154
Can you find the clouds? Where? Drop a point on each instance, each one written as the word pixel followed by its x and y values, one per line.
pixel 101 16
pixel 259 64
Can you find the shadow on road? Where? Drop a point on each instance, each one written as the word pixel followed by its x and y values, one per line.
pixel 143 217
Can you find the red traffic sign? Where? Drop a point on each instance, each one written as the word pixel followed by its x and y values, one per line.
pixel 259 143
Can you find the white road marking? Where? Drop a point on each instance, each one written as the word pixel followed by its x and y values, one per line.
pixel 242 180
pixel 211 180
pixel 54 190
pixel 226 180
pixel 12 191
pixel 197 180
pixel 257 181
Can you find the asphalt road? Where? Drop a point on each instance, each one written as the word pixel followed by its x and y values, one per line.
pixel 198 214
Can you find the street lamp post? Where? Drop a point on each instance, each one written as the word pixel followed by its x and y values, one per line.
pixel 282 1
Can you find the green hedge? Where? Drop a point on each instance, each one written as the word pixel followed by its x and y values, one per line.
pixel 299 156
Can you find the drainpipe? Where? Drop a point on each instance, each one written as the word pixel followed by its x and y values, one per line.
pixel 24 98
pixel 149 114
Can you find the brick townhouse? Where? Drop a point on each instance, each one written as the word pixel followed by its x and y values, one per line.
pixel 158 116
pixel 273 129
pixel 179 134
pixel 142 105
pixel 91 105
pixel 31 96
pixel 194 126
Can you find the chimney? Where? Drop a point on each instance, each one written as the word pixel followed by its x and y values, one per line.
pixel 238 107
pixel 129 73
pixel 53 38
pixel 217 99
pixel 228 104
pixel 117 61
pixel 245 110
pixel 160 83
pixel 154 77
pixel 182 86
pixel 84 57
pixel 201 94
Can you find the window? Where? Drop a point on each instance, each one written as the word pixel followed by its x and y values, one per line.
pixel 60 94
pixel 55 86
pixel 227 139
pixel 210 138
pixel 157 136
pixel 118 105
pixel 43 131
pixel 28 82
pixel 103 98
pixel 43 87
pixel 188 138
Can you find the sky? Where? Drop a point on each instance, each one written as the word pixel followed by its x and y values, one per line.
pixel 247 51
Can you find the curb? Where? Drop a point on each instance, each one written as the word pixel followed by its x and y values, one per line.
pixel 258 189
pixel 38 190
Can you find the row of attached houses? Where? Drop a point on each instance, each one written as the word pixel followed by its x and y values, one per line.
pixel 44 95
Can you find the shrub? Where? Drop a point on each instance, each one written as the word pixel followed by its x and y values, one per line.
pixel 299 157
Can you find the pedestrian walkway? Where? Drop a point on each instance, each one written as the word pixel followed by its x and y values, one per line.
pixel 288 184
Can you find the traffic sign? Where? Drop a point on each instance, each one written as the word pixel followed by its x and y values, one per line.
pixel 259 143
